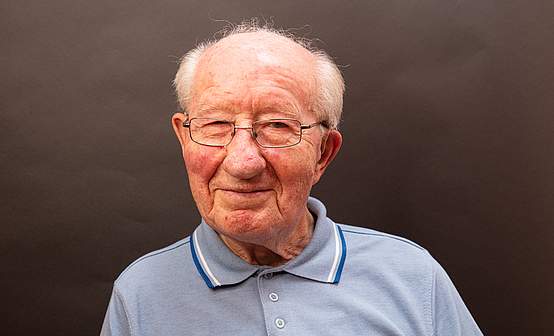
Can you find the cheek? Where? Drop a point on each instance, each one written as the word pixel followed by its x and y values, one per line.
pixel 201 163
pixel 293 169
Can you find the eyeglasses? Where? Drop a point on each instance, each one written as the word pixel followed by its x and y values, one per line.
pixel 270 133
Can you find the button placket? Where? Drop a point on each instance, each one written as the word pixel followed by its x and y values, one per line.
pixel 275 317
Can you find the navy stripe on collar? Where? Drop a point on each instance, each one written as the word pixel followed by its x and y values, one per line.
pixel 342 257
pixel 199 267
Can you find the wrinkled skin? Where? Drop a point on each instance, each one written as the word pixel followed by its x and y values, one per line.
pixel 255 197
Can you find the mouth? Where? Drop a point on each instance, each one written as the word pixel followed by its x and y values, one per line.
pixel 240 192
pixel 245 191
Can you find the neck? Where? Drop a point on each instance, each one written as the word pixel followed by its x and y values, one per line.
pixel 274 252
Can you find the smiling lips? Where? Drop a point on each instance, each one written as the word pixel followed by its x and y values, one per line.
pixel 244 192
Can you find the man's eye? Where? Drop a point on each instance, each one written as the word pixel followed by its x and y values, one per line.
pixel 278 124
pixel 216 123
pixel 215 128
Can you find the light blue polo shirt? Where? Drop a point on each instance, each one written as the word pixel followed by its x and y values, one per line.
pixel 347 281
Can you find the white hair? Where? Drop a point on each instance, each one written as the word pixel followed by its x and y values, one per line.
pixel 328 102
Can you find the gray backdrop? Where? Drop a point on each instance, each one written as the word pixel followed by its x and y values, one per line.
pixel 448 140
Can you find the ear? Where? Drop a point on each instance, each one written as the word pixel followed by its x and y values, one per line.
pixel 177 122
pixel 330 146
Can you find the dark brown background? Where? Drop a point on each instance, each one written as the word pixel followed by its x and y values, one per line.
pixel 448 140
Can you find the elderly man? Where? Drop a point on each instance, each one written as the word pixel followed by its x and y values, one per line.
pixel 258 130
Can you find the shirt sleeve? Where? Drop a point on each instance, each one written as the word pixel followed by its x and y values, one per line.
pixel 116 321
pixel 450 315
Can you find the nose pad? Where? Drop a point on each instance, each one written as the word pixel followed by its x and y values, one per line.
pixel 250 130
pixel 248 136
pixel 244 159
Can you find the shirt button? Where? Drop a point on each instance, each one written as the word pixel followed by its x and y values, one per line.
pixel 279 323
pixel 268 276
pixel 274 297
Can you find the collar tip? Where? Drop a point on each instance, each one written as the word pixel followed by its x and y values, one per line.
pixel 210 285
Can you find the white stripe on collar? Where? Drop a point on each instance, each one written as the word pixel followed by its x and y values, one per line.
pixel 332 274
pixel 203 261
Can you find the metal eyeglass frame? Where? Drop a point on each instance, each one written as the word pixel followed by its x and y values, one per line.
pixel 187 122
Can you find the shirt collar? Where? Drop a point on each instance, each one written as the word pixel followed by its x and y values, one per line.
pixel 321 260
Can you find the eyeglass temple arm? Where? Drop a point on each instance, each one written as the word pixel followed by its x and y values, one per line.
pixel 186 123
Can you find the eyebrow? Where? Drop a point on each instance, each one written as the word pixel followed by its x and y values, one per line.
pixel 218 112
pixel 209 110
pixel 276 113
pixel 279 108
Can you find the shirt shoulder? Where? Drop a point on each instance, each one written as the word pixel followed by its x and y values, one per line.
pixel 369 236
pixel 385 252
pixel 156 265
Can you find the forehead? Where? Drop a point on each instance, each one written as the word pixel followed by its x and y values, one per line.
pixel 254 70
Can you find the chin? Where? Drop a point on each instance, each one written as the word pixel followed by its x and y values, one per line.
pixel 244 225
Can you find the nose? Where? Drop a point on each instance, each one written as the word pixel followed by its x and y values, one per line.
pixel 244 160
